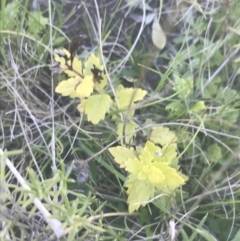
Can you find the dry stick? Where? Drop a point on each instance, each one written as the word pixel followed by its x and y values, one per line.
pixel 55 224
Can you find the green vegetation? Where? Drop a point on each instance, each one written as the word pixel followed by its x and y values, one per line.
pixel 129 132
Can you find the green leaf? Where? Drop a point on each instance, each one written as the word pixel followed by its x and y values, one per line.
pixel 184 235
pixel 229 95
pixel 214 153
pixel 205 234
pixel 177 108
pixel 182 86
pixel 148 122
pixel 162 135
pixel 36 22
pixel 216 59
pixel 198 107
pixel 127 96
pixel 200 225
pixel 229 114
pixel 212 89
pixel 96 107
pixel 10 15
pixel 236 238
pixel 122 154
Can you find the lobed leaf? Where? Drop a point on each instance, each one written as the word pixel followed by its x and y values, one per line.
pixel 183 87
pixel 134 166
pixel 155 151
pixel 36 22
pixel 172 179
pixel 169 153
pixel 176 108
pixel 88 65
pixel 146 155
pixel 139 192
pixel 96 107
pixel 162 135
pixel 127 96
pixel 149 172
pixel 85 88
pixel 198 107
pixel 214 153
pixel 152 174
pixel 130 127
pixel 87 71
pixel 122 154
pixel 76 68
pixel 67 87
pixel 58 56
pixel 63 58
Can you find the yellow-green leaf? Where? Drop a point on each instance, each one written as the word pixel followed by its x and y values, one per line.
pixel 94 61
pixel 77 68
pixel 146 155
pixel 139 192
pixel 88 65
pixel 122 154
pixel 162 135
pixel 148 122
pixel 96 107
pixel 152 174
pixel 156 175
pixel 81 106
pixel 67 87
pixel 85 88
pixel 156 151
pixel 172 179
pixel 134 166
pixel 169 153
pixel 198 107
pixel 100 86
pixel 127 96
pixel 129 128
pixel 61 60
pixel 65 63
pixel 149 173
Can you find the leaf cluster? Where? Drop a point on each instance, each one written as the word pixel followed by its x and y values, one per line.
pixel 152 169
